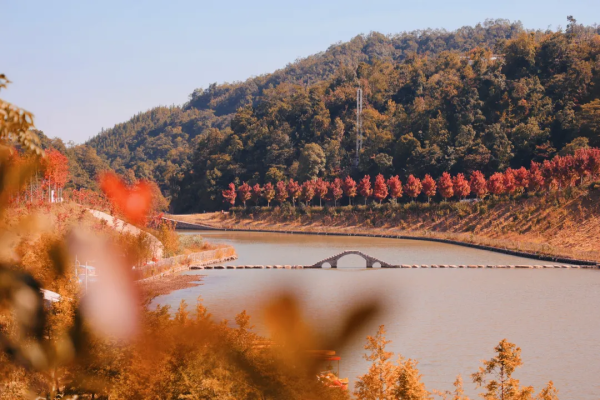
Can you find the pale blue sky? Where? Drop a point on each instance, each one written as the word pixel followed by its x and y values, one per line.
pixel 83 65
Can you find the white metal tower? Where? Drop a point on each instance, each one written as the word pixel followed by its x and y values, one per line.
pixel 359 139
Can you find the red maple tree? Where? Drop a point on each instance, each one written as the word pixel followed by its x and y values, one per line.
pixel 478 184
pixel 429 187
pixel 510 183
pixel 395 186
pixel 445 186
pixel 364 187
pixel 536 179
pixel 496 184
pixel 349 186
pixel 308 191
pixel 56 168
pixel 244 193
pixel 564 171
pixel 294 190
pixel 281 193
pixel 461 186
pixel 256 193
pixel 335 191
pixel 413 187
pixel 593 165
pixel 548 174
pixel 230 194
pixel 581 160
pixel 380 190
pixel 321 188
pixel 521 179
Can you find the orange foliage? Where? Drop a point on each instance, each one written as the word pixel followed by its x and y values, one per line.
pixel 133 201
pixel 56 168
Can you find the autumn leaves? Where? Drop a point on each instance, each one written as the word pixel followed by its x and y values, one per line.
pixel 403 381
pixel 559 173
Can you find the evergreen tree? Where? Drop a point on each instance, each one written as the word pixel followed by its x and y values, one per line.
pixel 311 161
pixel 496 375
pixel 379 383
pixel 548 393
pixel 408 384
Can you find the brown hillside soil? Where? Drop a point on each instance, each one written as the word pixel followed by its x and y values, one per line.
pixel 559 224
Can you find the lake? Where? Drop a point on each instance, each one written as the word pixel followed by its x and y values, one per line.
pixel 448 319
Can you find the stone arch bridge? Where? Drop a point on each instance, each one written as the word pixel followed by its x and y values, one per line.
pixel 333 260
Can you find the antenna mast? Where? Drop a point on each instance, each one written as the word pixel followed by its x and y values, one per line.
pixel 359 139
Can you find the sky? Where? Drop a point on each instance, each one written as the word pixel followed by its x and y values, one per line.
pixel 81 66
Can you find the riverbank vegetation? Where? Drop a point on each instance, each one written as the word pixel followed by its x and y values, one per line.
pixel 559 224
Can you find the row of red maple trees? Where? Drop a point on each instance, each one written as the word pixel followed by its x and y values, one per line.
pixel 555 174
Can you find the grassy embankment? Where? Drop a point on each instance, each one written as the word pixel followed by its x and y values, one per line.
pixel 135 243
pixel 559 224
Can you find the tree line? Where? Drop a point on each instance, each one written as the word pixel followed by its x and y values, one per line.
pixel 557 174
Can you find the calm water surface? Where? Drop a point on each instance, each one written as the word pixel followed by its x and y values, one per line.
pixel 448 319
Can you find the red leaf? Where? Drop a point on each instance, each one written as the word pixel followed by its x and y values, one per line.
pixel 134 202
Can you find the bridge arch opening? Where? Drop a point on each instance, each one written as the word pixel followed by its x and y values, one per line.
pixel 376 264
pixel 342 260
pixel 326 265
pixel 352 261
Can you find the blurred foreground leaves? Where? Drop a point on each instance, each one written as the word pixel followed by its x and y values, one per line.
pixel 103 343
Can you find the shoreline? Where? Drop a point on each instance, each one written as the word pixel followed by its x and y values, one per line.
pixel 328 231
pixel 168 284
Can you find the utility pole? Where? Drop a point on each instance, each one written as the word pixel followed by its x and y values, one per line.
pixel 359 139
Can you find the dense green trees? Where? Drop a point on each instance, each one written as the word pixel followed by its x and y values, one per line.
pixel 482 98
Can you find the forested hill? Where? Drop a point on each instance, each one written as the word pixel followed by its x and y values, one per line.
pixel 158 143
pixel 481 97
